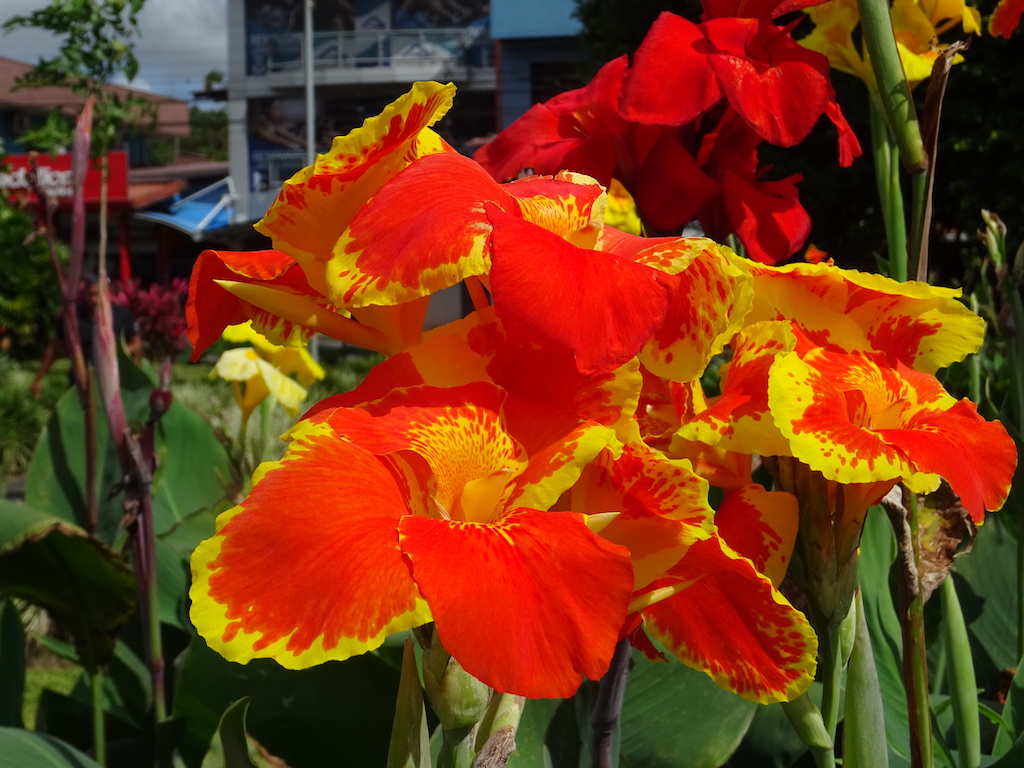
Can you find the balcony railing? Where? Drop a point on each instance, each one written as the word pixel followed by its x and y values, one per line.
pixel 471 46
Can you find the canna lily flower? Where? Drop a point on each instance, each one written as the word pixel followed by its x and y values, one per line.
pixel 440 513
pixel 921 325
pixel 682 70
pixel 704 601
pixel 916 24
pixel 264 369
pixel 675 175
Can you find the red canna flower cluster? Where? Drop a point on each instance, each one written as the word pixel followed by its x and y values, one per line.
pixel 680 126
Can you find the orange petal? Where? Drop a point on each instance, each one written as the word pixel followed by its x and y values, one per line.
pixel 210 308
pixel 830 406
pixel 661 505
pixel 528 604
pixel 307 569
pixel 740 419
pixel 423 231
pixel 542 285
pixel 915 323
pixel 730 622
pixel 760 525
pixel 977 457
pixel 316 205
pixel 712 297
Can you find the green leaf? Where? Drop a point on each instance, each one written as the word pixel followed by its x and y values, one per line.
pixel 192 473
pixel 85 586
pixel 233 737
pixel 672 710
pixel 26 748
pixel 986 581
pixel 531 751
pixel 877 552
pixel 338 713
pixel 1013 714
pixel 12 665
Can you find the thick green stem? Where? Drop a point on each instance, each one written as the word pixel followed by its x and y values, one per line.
pixel 890 196
pixel 99 730
pixel 963 686
pixel 458 748
pixel 806 721
pixel 891 82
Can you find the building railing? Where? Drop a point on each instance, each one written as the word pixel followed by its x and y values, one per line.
pixel 471 46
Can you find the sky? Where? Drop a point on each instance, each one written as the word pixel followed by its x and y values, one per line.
pixel 179 42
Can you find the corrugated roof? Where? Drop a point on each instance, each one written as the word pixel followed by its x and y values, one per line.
pixel 171 114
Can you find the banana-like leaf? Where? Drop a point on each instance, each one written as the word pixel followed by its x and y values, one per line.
pixel 84 585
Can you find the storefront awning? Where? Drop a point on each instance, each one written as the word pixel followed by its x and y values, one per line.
pixel 199 214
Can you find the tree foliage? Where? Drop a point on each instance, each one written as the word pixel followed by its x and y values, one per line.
pixel 97 44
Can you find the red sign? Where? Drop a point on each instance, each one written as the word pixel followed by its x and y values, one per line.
pixel 55 178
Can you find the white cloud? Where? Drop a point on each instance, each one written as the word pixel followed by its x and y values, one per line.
pixel 179 42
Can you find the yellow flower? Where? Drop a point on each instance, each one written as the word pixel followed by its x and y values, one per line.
pixel 265 369
pixel 916 23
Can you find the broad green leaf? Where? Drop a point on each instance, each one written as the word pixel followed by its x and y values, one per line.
pixel 193 470
pixel 86 587
pixel 672 710
pixel 27 748
pixel 338 713
pixel 531 751
pixel 12 664
pixel 988 592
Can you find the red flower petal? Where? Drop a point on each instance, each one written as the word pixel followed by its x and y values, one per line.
pixel 670 81
pixel 307 569
pixel 528 604
pixel 779 87
pixel 542 285
pixel 732 624
pixel 210 308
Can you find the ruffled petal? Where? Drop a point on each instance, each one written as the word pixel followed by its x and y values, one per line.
pixel 976 457
pixel 731 623
pixel 660 506
pixel 302 575
pixel 740 419
pixel 210 308
pixel 779 88
pixel 915 323
pixel 542 285
pixel 423 231
pixel 316 205
pixel 527 604
pixel 708 304
pixel 761 526
pixel 671 81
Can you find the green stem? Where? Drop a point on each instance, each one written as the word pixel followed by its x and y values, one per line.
pixel 963 686
pixel 830 661
pixel 99 733
pixel 809 726
pixel 265 416
pixel 458 748
pixel 887 175
pixel 892 88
